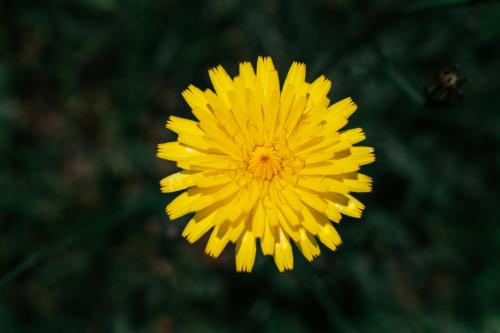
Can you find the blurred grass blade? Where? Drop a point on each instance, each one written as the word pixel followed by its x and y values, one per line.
pixel 403 84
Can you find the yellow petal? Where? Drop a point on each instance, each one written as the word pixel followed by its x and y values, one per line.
pixel 212 178
pixel 312 221
pixel 258 220
pixel 238 106
pixel 205 117
pixel 184 179
pixel 237 227
pixel 255 118
pixel 289 214
pixel 194 97
pixel 178 181
pixel 358 182
pixel 221 112
pixel 308 245
pixel 182 125
pixel 218 239
pixel 317 144
pixel 247 74
pixel 343 109
pixel 197 142
pixel 221 81
pixel 245 252
pixel 283 255
pixel 268 240
pixel 311 199
pixel 270 113
pixel 330 168
pixel 174 151
pixel 229 209
pixel 319 90
pixel 296 74
pixel 322 184
pixel 290 197
pixel 312 183
pixel 266 73
pixel 196 199
pixel 209 162
pixel 353 136
pixel 329 237
pixel 296 111
pixel 333 214
pixel 201 222
pixel 272 216
pixel 346 204
pixel 289 229
pixel 181 204
pixel 362 155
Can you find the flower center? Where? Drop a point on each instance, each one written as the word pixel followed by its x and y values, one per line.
pixel 264 162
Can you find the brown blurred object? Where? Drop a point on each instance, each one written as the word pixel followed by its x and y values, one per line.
pixel 446 88
pixel 163 324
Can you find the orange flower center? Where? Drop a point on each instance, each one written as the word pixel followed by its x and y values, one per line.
pixel 264 162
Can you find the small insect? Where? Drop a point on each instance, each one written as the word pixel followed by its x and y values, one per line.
pixel 445 88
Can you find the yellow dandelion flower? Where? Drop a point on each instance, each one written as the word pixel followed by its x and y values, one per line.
pixel 264 163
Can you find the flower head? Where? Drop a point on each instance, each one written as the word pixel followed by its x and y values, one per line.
pixel 265 164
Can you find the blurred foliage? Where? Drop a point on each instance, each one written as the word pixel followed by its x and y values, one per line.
pixel 85 89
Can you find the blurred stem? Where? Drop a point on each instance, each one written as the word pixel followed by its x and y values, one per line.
pixel 131 210
pixel 308 278
pixel 403 83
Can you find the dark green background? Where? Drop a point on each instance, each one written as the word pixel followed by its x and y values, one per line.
pixel 85 89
